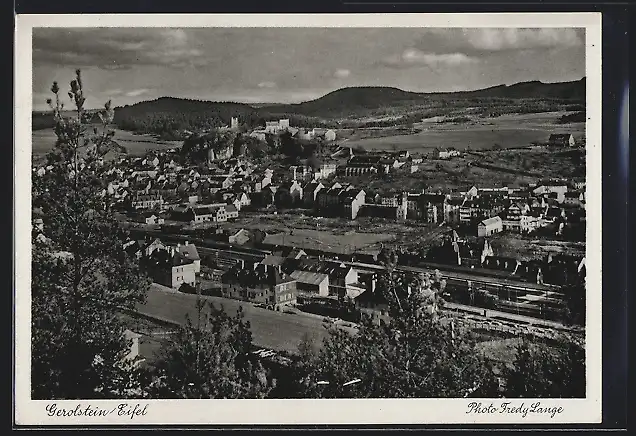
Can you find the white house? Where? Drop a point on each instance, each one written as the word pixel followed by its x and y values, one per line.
pixel 447 154
pixel 489 226
pixel 325 171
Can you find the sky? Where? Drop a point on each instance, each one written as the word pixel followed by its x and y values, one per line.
pixel 290 65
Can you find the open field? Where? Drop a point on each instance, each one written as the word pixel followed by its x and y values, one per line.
pixel 331 241
pixel 507 131
pixel 364 233
pixel 526 248
pixel 43 140
pixel 270 329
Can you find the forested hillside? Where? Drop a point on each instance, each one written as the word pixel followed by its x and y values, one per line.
pixel 168 117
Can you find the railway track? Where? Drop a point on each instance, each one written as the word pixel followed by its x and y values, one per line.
pixel 489 280
pixel 463 277
pixel 516 292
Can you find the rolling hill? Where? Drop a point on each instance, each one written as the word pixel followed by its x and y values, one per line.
pixel 360 98
pixel 166 116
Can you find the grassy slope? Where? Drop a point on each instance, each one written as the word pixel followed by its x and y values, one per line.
pixel 44 140
pixel 274 330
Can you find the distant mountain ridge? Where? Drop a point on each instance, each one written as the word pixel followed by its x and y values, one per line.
pixel 374 97
pixel 166 116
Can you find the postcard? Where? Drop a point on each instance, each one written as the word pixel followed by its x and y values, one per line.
pixel 339 219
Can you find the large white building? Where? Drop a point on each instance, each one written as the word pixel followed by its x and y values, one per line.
pixel 275 127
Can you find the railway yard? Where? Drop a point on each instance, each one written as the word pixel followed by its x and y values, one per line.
pixel 523 307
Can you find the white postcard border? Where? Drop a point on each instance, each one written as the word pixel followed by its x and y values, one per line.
pixel 290 412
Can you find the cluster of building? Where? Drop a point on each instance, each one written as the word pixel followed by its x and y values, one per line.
pixel 190 194
pixel 158 188
pixel 280 126
pixel 559 269
pixel 292 277
pixel 377 162
pixel 492 210
pixel 275 281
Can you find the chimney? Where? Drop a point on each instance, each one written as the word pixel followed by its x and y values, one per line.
pixel 186 243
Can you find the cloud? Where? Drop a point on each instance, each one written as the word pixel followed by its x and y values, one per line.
pixel 412 57
pixel 267 85
pixel 342 73
pixel 520 39
pixel 415 56
pixel 121 49
pixel 485 40
pixel 137 92
pixel 451 47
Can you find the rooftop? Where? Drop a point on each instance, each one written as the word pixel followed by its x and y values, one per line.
pixel 309 277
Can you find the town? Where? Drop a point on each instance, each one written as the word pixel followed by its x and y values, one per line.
pixel 169 205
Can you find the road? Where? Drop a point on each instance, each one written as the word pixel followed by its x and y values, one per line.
pixel 272 330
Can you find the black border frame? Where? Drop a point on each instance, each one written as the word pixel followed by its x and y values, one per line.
pixel 616 17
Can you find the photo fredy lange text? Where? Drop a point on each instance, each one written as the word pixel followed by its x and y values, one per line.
pixel 509 408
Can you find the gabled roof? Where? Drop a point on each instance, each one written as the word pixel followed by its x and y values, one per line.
pixel 189 251
pixel 260 275
pixel 309 277
pixel 491 221
pixel 296 253
pixel 311 186
pixel 163 258
pixel 273 260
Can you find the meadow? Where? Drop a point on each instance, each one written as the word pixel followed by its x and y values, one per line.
pixel 506 131
pixel 137 145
